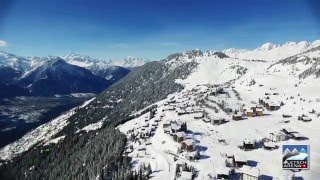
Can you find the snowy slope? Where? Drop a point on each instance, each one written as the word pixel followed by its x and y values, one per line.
pixel 272 52
pixel 245 82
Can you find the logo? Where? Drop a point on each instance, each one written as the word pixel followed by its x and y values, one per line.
pixel 295 156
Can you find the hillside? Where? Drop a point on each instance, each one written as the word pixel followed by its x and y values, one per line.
pixel 194 92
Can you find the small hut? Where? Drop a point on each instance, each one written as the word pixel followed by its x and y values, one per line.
pixel 249 144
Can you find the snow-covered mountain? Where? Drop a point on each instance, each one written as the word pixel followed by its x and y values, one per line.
pixel 56 76
pixel 272 52
pixel 20 72
pixel 181 89
pixel 88 62
pixel 106 69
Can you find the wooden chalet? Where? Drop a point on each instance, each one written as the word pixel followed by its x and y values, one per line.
pixel 188 145
pixel 180 136
pixel 259 111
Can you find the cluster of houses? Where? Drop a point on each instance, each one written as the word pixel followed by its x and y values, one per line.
pixel 238 161
pixel 142 133
pixel 177 129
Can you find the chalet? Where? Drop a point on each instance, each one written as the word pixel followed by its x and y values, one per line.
pixel 179 136
pixel 269 145
pixel 175 127
pixel 166 130
pixel 223 173
pixel 188 145
pixel 237 117
pixel 240 160
pixel 230 162
pixel 273 105
pixel 166 124
pixel 216 120
pixel 278 136
pixel 249 113
pixel 249 144
pixel 206 120
pixel 198 116
pixel 249 173
pixel 259 111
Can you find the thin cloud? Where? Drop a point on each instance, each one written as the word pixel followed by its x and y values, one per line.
pixel 3 43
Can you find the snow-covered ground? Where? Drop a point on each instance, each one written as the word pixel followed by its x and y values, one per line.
pixel 245 82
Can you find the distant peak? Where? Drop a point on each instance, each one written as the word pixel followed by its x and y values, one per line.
pixel 267 46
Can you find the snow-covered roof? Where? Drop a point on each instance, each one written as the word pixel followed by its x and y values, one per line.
pixel 269 144
pixel 175 126
pixel 224 171
pixel 181 134
pixel 190 142
pixel 248 141
pixel 306 118
pixel 240 157
pixel 253 171
pixel 259 109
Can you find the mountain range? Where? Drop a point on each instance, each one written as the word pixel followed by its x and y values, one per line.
pixel 47 76
pixel 291 71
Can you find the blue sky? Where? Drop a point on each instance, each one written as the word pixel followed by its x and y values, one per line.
pixel 151 29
